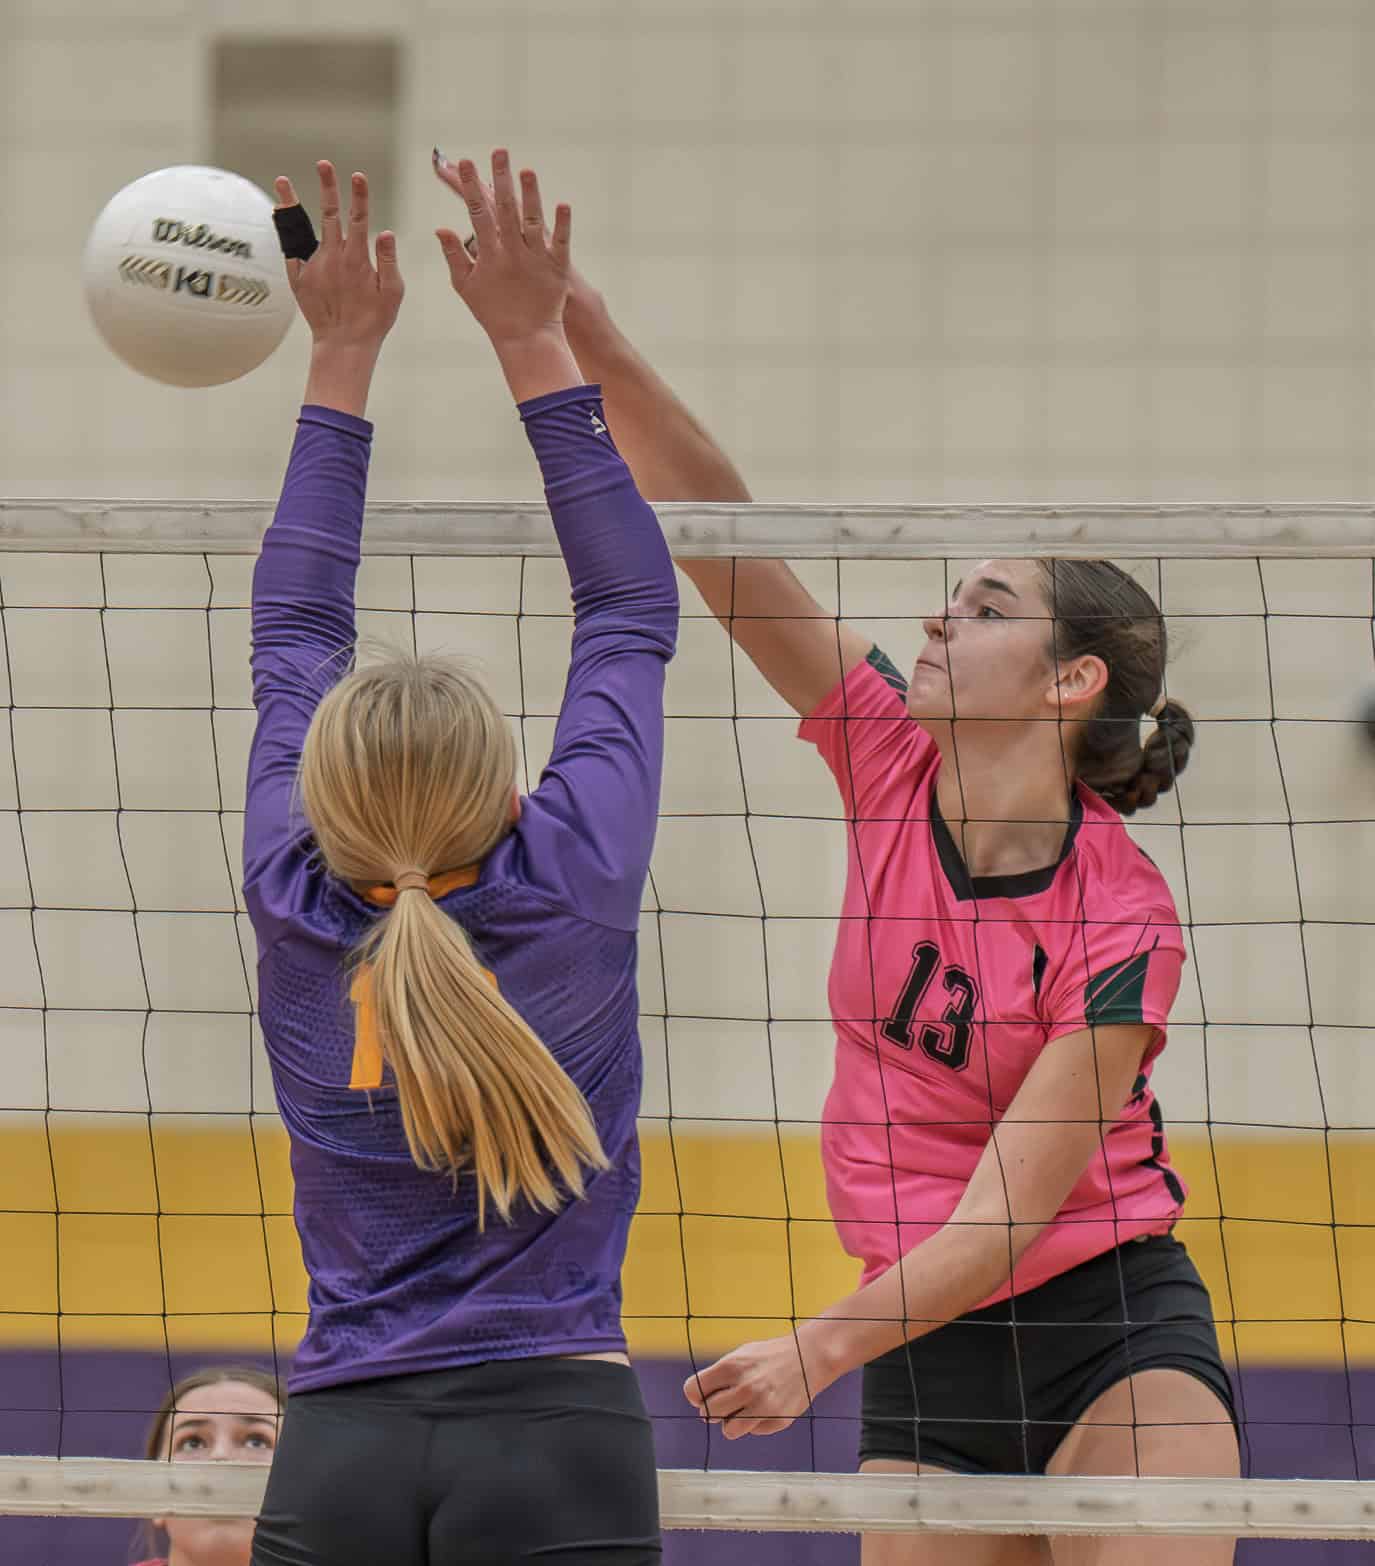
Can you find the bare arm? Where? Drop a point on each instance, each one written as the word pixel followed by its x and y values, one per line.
pixel 1051 1132
pixel 799 649
pixel 802 651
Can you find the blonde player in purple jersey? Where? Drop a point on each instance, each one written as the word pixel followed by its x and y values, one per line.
pixel 446 968
pixel 1001 988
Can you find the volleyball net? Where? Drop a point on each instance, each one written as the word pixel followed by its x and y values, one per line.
pixel 146 1216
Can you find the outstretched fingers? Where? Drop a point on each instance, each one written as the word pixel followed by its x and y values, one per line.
pixel 457 254
pixel 479 204
pixel 447 174
pixel 445 171
pixel 331 224
pixel 508 208
pixel 560 244
pixel 287 198
pixel 532 207
pixel 388 269
pixel 347 297
pixel 356 240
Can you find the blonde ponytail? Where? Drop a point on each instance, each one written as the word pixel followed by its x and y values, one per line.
pixel 475 1084
pixel 411 764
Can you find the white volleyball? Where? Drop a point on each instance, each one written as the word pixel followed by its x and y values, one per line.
pixel 184 276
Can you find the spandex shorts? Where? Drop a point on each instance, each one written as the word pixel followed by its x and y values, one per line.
pixel 998 1390
pixel 547 1460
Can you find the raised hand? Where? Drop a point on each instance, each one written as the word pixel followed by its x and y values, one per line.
pixel 347 301
pixel 585 307
pixel 514 274
pixel 517 282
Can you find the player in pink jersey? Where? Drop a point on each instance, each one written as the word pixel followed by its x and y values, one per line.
pixel 1002 981
pixel 975 975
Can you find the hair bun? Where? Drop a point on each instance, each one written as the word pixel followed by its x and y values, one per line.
pixel 1163 757
pixel 1174 720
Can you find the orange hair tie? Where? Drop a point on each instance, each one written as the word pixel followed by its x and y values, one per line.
pixel 367 1046
pixel 416 880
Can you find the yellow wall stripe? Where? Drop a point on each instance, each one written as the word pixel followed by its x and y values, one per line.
pixel 732 1238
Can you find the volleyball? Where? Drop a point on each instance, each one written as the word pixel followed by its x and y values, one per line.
pixel 184 276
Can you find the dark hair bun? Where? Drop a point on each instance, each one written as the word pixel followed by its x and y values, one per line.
pixel 1164 756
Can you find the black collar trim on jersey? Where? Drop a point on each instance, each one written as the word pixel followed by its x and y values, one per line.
pixel 1026 883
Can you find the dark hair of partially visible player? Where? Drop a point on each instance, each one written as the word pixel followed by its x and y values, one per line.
pixel 1100 611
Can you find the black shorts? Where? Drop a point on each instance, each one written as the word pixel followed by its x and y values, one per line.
pixel 998 1390
pixel 512 1460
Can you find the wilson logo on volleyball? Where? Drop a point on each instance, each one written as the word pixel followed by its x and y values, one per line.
pixel 169 231
pixel 150 274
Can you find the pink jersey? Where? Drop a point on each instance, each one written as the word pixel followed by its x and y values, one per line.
pixel 945 989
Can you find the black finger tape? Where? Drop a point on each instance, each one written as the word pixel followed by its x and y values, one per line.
pixel 296 233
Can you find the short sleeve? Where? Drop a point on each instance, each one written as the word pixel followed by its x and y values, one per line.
pixel 864 735
pixel 1116 974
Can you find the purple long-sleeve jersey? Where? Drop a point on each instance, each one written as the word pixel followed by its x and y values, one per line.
pixel 401 1279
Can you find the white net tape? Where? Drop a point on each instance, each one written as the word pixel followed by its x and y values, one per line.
pixel 783 1502
pixel 793 531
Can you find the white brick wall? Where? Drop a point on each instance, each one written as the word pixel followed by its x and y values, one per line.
pixel 931 249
